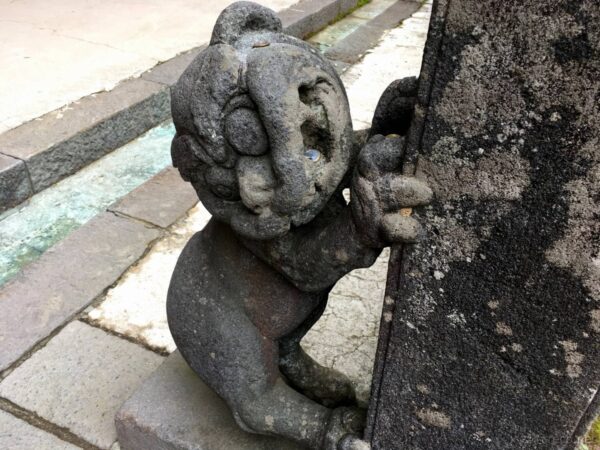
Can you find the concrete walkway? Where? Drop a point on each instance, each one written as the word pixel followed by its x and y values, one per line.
pixel 54 53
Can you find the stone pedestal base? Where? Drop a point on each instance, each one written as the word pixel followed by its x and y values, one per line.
pixel 173 409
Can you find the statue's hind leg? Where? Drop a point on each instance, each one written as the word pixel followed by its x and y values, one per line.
pixel 327 386
pixel 209 319
pixel 241 365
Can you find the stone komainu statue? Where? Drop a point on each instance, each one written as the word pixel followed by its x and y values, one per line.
pixel 264 135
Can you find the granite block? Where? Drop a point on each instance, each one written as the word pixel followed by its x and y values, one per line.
pixel 356 44
pixel 63 141
pixel 310 16
pixel 168 73
pixel 79 380
pixel 490 338
pixel 16 434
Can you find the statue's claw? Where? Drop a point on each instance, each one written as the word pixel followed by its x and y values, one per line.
pixel 343 428
pixel 351 442
pixel 382 197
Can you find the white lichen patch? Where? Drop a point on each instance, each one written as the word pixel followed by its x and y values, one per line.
pixel 517 348
pixel 434 418
pixel 496 176
pixel 573 358
pixel 269 421
pixel 595 320
pixel 503 329
pixel 457 318
pixel 579 247
pixel 423 389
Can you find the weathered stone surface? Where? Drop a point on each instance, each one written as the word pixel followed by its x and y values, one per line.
pixel 169 72
pixel 173 409
pixel 79 380
pixel 14 182
pixel 63 141
pixel 493 339
pixel 66 279
pixel 16 434
pixel 161 200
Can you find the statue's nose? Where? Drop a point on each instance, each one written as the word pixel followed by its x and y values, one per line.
pixel 275 77
pixel 284 124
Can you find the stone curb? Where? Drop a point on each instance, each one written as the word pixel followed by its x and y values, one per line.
pixel 352 48
pixel 41 152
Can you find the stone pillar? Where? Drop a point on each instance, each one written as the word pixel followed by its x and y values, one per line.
pixel 491 331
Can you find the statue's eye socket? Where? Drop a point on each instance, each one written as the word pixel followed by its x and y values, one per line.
pixel 312 154
pixel 309 93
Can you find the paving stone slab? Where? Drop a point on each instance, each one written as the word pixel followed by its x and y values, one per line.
pixel 63 141
pixel 79 380
pixel 14 182
pixel 161 200
pixel 16 434
pixel 173 409
pixel 136 306
pixel 66 279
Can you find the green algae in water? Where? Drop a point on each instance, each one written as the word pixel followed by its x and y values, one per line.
pixel 28 231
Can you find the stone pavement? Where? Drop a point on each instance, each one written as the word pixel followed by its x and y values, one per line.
pixel 80 328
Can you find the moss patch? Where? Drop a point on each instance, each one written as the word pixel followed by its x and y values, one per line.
pixel 592 440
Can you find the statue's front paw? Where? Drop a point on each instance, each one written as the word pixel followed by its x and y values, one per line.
pixel 351 442
pixel 344 426
pixel 382 198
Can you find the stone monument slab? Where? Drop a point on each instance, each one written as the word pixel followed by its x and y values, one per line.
pixel 491 333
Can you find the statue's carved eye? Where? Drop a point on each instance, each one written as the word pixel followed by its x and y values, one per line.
pixel 245 132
